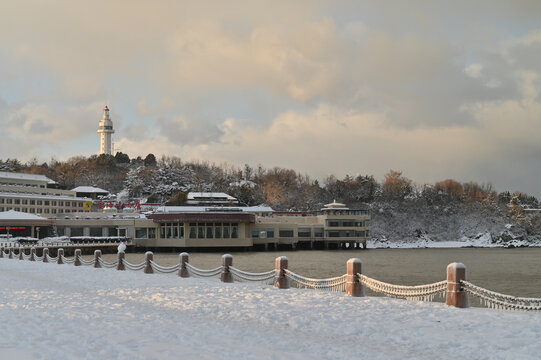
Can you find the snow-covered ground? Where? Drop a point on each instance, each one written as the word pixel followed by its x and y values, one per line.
pixel 50 311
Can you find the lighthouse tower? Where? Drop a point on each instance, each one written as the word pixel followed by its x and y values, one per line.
pixel 106 131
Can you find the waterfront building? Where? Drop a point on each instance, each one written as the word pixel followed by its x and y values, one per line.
pixel 215 225
pixel 36 194
pixel 106 132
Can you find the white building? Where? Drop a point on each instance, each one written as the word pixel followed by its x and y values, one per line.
pixel 106 131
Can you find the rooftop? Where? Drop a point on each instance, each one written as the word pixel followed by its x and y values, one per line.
pixel 23 176
pixel 89 189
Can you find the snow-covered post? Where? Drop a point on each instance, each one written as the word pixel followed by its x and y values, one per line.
pixel 45 255
pixel 97 256
pixel 33 254
pixel 10 254
pixel 21 253
pixel 227 261
pixel 1 252
pixel 77 256
pixel 184 259
pixel 280 279
pixel 149 256
pixel 354 287
pixel 456 296
pixel 60 254
pixel 120 265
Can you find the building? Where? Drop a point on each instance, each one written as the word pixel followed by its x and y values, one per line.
pixel 216 226
pixel 106 132
pixel 90 192
pixel 36 194
pixel 186 227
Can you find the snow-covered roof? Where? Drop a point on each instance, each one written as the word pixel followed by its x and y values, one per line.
pixel 209 195
pixel 42 197
pixel 89 189
pixel 335 205
pixel 17 215
pixel 22 176
pixel 180 209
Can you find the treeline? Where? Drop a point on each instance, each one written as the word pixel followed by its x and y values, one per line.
pixel 169 178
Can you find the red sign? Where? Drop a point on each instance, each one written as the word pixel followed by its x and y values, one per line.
pixel 13 227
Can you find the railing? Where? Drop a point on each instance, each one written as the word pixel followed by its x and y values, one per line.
pixel 455 288
pixel 70 244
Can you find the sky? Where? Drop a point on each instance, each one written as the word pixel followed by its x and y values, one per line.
pixel 435 89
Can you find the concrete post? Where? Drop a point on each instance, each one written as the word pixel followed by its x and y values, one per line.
pixel 280 279
pixel 456 296
pixel 183 271
pixel 45 255
pixel 21 253
pixel 227 261
pixel 353 284
pixel 149 256
pixel 97 256
pixel 120 265
pixel 60 254
pixel 33 254
pixel 77 256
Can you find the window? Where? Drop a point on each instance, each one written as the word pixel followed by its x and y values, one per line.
pixel 210 232
pixel 60 231
pixel 95 231
pixel 141 233
pixel 60 203
pixel 162 231
pixel 318 232
pixel 151 233
pixel 1 201
pixel 304 232
pixel 17 202
pixel 201 231
pixel 9 201
pixel 234 231
pixel 225 234
pixel 46 202
pixel 32 210
pixel 40 202
pixel 76 231
pixel 255 233
pixel 112 231
pixel 193 230
pixel 32 202
pixel 286 233
pixel 218 231
pixel 25 202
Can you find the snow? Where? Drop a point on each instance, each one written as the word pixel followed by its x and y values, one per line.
pixel 23 176
pixel 89 189
pixel 17 215
pixel 65 312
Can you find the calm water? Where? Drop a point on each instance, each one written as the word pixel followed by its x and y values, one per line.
pixel 509 271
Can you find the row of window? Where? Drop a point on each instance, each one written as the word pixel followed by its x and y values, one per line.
pixel 37 211
pixel 10 201
pixel 21 185
pixel 92 231
pixel 346 233
pixel 347 223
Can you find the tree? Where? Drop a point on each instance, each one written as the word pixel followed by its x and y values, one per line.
pixel 396 186
pixel 122 158
pixel 150 160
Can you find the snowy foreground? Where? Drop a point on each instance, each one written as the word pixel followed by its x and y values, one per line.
pixel 51 311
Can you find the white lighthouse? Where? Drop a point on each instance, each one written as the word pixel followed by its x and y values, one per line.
pixel 106 131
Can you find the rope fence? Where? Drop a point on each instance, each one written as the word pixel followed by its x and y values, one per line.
pixel 455 288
